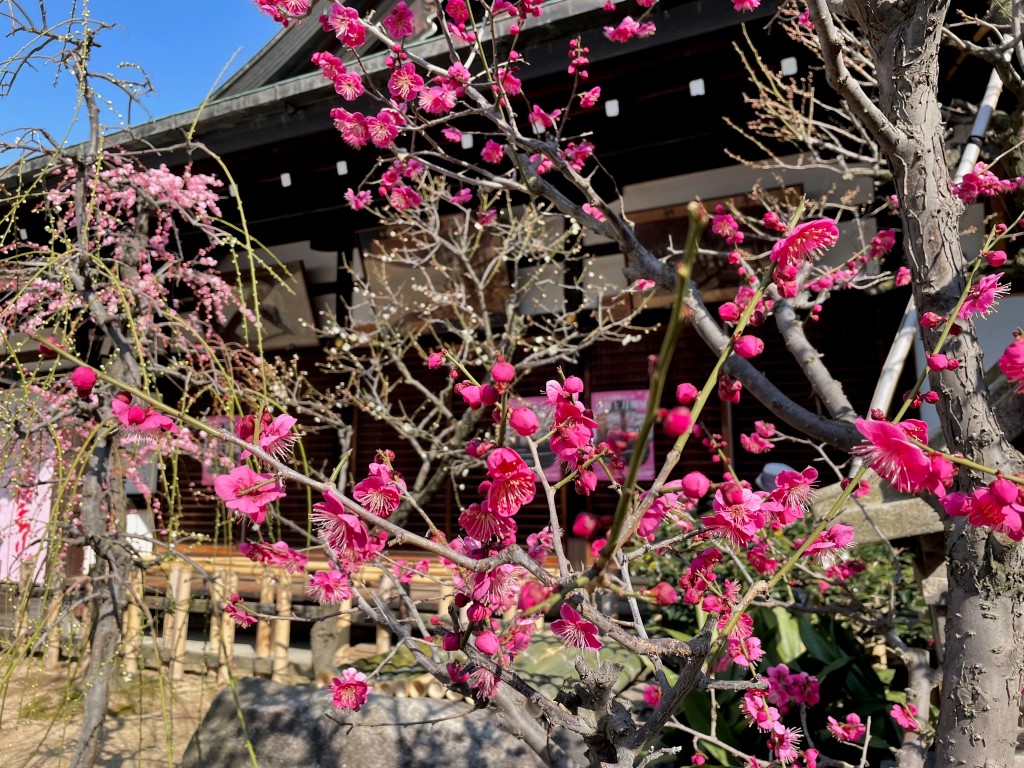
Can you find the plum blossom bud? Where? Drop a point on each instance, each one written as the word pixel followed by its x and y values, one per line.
pixel 487 642
pixel 686 393
pixel 531 594
pixel 84 379
pixel 938 362
pixel 470 394
pixel 489 395
pixel 748 346
pixel 729 389
pixel 663 593
pixel 434 359
pixel 478 448
pixel 48 348
pixel 676 421
pixel 502 372
pixel 695 485
pixel 995 258
pixel 729 312
pixel 902 276
pixel 932 320
pixel 585 526
pixel 1003 491
pixel 573 385
pixel 931 397
pixel 477 612
pixel 450 641
pixel 523 421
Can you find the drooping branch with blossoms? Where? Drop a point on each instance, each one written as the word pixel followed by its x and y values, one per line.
pixel 741 551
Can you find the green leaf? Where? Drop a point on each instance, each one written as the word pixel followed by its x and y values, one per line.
pixel 788 642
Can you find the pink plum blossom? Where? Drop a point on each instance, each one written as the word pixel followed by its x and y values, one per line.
pixel 350 691
pixel 137 419
pixel 1011 363
pixel 329 587
pixel 278 555
pixel 903 463
pixel 905 716
pixel 738 514
pixel 982 297
pixel 247 492
pixel 575 631
pixel 234 611
pixel 851 730
pixel 513 484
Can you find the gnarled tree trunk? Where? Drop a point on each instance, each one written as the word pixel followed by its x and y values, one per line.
pixel 984 630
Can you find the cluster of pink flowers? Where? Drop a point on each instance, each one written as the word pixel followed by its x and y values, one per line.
pixel 800 244
pixel 1011 362
pixel 284 11
pixel 852 730
pixel 382 490
pixel 999 506
pixel 278 555
pixel 897 453
pixel 981 182
pixel 629 28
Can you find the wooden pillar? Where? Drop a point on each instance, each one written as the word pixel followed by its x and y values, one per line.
pixel 282 627
pixel 226 647
pixel 182 598
pixel 132 623
pixel 263 627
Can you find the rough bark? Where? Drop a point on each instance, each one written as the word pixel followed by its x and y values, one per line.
pixel 984 631
pixel 109 573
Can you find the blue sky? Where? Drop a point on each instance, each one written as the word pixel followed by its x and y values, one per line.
pixel 182 45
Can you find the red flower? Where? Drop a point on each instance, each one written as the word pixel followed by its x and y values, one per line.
pixel 1011 363
pixel 905 716
pixel 248 492
pixel 139 419
pixel 575 631
pixel 350 691
pixel 513 483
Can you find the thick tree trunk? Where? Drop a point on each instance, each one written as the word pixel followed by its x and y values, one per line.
pixel 984 631
pixel 110 575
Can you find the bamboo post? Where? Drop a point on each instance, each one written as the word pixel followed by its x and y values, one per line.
pixel 226 649
pixel 383 634
pixel 51 659
pixel 282 627
pixel 170 600
pixel 447 592
pixel 26 580
pixel 218 596
pixel 133 623
pixel 182 598
pixel 345 623
pixel 263 627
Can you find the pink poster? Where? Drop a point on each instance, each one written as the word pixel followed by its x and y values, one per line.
pixel 618 414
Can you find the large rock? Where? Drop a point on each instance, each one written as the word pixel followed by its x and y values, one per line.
pixel 296 727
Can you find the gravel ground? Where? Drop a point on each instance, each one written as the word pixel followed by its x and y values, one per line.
pixel 148 724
